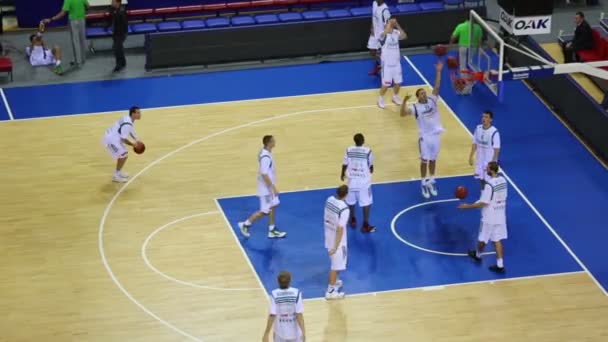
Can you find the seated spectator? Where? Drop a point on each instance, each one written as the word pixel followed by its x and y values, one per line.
pixel 583 39
pixel 40 55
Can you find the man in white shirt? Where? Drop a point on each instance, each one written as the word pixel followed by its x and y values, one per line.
pixel 117 136
pixel 357 167
pixel 40 55
pixel 430 129
pixel 267 191
pixel 493 204
pixel 392 73
pixel 335 218
pixel 286 312
pixel 380 16
pixel 485 147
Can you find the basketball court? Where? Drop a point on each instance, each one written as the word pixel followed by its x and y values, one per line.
pixel 160 257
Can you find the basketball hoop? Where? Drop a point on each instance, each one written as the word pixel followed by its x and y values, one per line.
pixel 464 80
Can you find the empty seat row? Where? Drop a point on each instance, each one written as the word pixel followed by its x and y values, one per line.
pixel 259 19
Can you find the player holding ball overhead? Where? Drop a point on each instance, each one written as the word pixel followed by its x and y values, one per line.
pixel 123 132
pixel 391 61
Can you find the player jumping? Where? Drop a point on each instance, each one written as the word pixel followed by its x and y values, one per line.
pixel 391 61
pixel 429 130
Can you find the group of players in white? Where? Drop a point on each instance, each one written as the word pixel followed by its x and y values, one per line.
pixel 357 167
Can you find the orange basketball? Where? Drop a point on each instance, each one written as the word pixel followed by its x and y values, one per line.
pixel 139 148
pixel 461 192
pixel 452 62
pixel 440 50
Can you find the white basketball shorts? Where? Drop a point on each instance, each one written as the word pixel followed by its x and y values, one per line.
pixel 492 232
pixel 268 202
pixel 40 59
pixel 280 339
pixel 391 74
pixel 115 148
pixel 362 195
pixel 481 166
pixel 429 146
pixel 373 43
pixel 338 260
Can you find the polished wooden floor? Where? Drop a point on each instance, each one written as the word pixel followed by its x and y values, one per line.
pixel 56 184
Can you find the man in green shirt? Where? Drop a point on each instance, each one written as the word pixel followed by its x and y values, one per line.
pixel 76 10
pixel 462 35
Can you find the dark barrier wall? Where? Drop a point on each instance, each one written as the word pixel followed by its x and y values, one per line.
pixel 30 12
pixel 569 101
pixel 290 40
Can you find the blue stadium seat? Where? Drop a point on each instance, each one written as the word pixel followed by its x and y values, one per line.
pixel 217 22
pixel 195 24
pixel 338 13
pixel 314 15
pixel 242 20
pixel 393 9
pixel 143 28
pixel 266 19
pixel 168 26
pixel 458 3
pixel 361 11
pixel 408 8
pixel 129 31
pixel 97 32
pixel 290 17
pixel 432 6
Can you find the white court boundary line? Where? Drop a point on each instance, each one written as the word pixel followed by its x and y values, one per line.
pixel 543 220
pixel 170 278
pixel 421 204
pixel 157 161
pixel 441 287
pixel 8 108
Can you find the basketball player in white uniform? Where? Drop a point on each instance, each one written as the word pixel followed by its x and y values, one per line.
pixel 335 219
pixel 286 312
pixel 117 136
pixel 391 61
pixel 485 147
pixel 267 192
pixel 357 167
pixel 380 16
pixel 430 129
pixel 493 204
pixel 39 55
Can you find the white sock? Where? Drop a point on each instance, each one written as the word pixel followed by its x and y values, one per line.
pixel 499 263
pixel 271 227
pixel 330 288
pixel 247 223
pixel 432 179
pixel 57 63
pixel 477 254
pixel 117 173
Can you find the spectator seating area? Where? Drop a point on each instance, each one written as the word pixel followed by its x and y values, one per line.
pixel 600 44
pixel 255 12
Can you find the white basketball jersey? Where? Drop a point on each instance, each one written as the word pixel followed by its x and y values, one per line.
pixel 380 16
pixel 358 160
pixel 427 116
pixel 121 129
pixel 336 214
pixel 495 195
pixel 391 55
pixel 486 141
pixel 266 167
pixel 285 304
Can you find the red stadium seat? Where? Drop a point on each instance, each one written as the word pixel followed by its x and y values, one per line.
pixel 166 10
pixel 599 51
pixel 263 3
pixel 98 15
pixel 285 2
pixel 140 12
pixel 214 7
pixel 6 65
pixel 190 9
pixel 238 5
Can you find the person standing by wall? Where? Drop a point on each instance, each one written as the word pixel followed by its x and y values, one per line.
pixel 120 29
pixel 77 10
